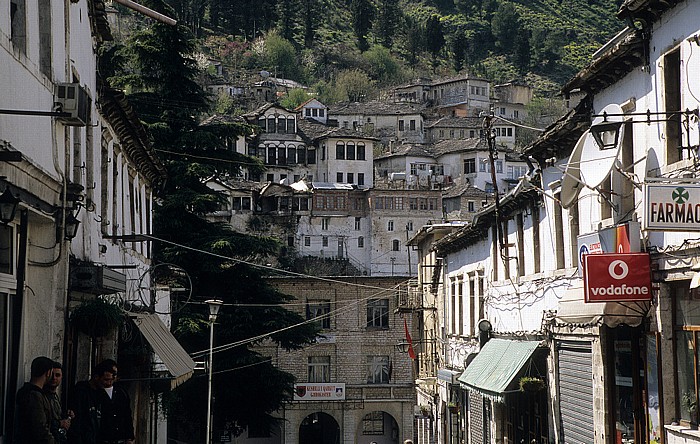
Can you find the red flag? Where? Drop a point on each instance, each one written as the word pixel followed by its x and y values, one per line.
pixel 411 352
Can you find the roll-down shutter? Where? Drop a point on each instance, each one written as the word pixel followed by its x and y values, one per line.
pixel 576 391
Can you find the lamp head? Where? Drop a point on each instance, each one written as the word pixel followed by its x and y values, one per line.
pixel 8 206
pixel 214 306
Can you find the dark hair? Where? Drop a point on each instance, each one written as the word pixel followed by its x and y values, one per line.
pixel 103 367
pixel 57 365
pixel 41 365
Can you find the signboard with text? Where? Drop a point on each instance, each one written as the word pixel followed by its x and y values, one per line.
pixel 672 207
pixel 623 238
pixel 614 277
pixel 319 391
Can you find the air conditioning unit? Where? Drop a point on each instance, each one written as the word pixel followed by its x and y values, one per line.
pixel 97 279
pixel 72 99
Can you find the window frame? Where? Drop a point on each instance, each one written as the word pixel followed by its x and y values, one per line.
pixel 378 313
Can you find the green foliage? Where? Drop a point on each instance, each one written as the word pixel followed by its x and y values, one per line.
pixel 281 57
pixel 434 37
pixel 96 317
pixel 382 65
pixel 294 98
pixel 354 85
pixel 363 14
pixel 388 19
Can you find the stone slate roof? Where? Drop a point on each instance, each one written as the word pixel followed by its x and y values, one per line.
pixel 98 21
pixel 456 122
pixel 644 11
pixel 375 107
pixel 464 190
pixel 459 145
pixel 313 130
pixel 407 149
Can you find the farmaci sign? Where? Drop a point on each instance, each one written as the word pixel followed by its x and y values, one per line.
pixel 672 207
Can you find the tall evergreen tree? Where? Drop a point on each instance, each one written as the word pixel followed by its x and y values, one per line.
pixel 363 13
pixel 388 19
pixel 157 69
pixel 434 37
pixel 460 49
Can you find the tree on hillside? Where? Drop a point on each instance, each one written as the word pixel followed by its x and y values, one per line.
pixel 362 17
pixel 310 18
pixel 460 49
pixel 434 38
pixel 281 58
pixel 287 15
pixel 414 37
pixel 354 85
pixel 157 69
pixel 505 24
pixel 388 19
pixel 382 66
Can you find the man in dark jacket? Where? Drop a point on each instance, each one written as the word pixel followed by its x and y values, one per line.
pixel 33 414
pixel 102 411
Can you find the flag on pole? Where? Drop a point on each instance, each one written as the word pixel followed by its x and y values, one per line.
pixel 411 352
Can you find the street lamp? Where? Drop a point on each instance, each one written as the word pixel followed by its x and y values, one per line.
pixel 214 306
pixel 8 206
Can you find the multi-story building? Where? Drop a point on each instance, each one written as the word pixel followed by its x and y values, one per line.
pixel 77 164
pixel 578 284
pixel 355 384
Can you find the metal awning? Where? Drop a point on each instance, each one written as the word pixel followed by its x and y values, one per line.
pixel 164 344
pixel 495 366
pixel 573 310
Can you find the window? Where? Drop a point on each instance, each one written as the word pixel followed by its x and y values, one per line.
pixel 350 178
pixel 360 178
pixel 311 157
pixel 325 223
pixel 520 227
pixel 339 177
pixel 360 151
pixel 395 245
pixel 558 234
pixel 409 225
pixel 271 124
pixel 291 155
pixel 45 43
pixel 340 151
pixel 270 177
pixel 412 125
pixel 401 125
pixel 350 151
pixel 314 113
pixel 377 370
pixel 307 112
pixel 510 132
pixel 324 241
pixel 7 327
pixel 515 113
pixel 672 102
pixel 281 155
pixel 18 25
pixel 319 310
pixel 358 221
pixel 469 166
pixel 471 134
pixel 373 423
pixel 321 112
pixel 503 111
pixel 361 242
pixel 687 344
pixel 307 241
pixel 499 166
pixel 319 369
pixel 390 226
pixel 378 313
pixel 6 250
pixel 282 125
pixel 470 206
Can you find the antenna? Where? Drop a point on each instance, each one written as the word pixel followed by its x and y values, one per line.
pixel 596 163
pixel 571 180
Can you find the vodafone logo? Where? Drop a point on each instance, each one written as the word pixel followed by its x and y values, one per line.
pixel 622 266
pixel 616 277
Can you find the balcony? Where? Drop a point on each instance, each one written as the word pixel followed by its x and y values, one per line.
pixel 409 297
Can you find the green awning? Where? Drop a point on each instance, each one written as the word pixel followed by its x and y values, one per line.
pixel 495 366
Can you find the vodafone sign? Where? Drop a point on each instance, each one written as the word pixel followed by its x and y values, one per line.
pixel 614 277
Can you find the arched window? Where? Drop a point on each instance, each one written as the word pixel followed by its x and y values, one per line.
pixel 291 125
pixel 340 151
pixel 262 123
pixel 301 154
pixel 282 124
pixel 395 244
pixel 350 151
pixel 361 242
pixel 291 155
pixel 271 155
pixel 360 151
pixel 271 124
pixel 281 155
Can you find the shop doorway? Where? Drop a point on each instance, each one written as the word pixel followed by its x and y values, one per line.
pixel 319 428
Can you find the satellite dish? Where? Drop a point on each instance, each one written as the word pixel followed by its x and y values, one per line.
pixel 596 163
pixel 571 181
pixel 264 74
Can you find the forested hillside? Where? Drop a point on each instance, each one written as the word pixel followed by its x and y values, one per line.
pixel 543 42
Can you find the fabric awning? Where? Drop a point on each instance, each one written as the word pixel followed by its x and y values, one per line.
pixel 572 309
pixel 164 344
pixel 495 366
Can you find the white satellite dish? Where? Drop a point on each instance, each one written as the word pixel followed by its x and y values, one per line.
pixel 596 163
pixel 571 181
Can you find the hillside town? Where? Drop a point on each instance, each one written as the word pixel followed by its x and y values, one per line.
pixel 467 288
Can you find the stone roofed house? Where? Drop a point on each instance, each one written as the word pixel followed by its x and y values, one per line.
pixel 461 202
pixel 398 122
pixel 313 109
pixel 462 95
pixel 511 99
pixel 449 127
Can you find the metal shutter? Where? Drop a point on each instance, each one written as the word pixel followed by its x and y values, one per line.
pixel 576 391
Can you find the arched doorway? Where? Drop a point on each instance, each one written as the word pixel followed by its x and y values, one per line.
pixel 319 428
pixel 378 427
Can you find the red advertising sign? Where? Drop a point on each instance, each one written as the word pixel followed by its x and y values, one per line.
pixel 614 277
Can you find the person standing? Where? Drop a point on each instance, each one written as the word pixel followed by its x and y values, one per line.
pixel 60 421
pixel 102 411
pixel 33 413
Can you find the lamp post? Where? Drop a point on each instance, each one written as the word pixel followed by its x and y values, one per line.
pixel 214 306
